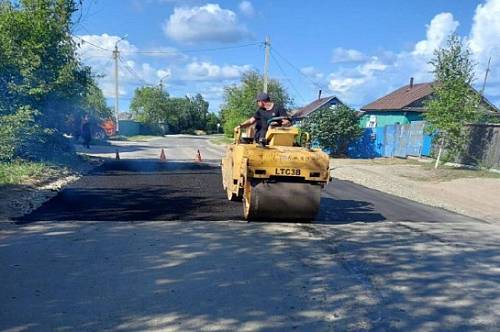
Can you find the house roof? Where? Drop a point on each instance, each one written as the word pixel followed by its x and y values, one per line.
pixel 308 109
pixel 405 96
pixel 400 98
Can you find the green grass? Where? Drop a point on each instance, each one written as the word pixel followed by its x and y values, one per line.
pixel 221 140
pixel 24 172
pixel 447 173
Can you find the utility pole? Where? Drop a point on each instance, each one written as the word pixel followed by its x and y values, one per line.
pixel 161 81
pixel 116 56
pixel 267 45
pixel 486 77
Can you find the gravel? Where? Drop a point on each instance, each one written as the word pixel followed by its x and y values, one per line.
pixel 474 197
pixel 18 200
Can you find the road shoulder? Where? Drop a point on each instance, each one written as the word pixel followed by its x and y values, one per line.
pixel 472 196
pixel 19 199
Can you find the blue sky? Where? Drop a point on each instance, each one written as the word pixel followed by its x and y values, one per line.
pixel 357 50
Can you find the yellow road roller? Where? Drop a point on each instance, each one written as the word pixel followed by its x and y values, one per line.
pixel 281 180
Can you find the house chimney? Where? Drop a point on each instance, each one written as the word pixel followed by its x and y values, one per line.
pixel 319 94
pixel 411 82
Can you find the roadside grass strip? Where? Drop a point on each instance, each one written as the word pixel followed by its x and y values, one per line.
pixel 23 172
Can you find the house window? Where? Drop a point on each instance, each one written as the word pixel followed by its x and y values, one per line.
pixel 333 107
pixel 372 122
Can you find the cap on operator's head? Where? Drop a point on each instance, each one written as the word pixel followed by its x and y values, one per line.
pixel 263 97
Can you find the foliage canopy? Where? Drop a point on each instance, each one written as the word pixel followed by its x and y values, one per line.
pixel 239 100
pixel 333 129
pixel 151 105
pixel 454 102
pixel 43 87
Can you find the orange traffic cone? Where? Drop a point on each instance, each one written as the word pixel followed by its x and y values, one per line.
pixel 117 155
pixel 198 156
pixel 163 157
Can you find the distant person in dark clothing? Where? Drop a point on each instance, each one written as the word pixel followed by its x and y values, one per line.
pixel 266 111
pixel 86 133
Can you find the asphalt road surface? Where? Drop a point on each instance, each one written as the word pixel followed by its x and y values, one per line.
pixel 144 245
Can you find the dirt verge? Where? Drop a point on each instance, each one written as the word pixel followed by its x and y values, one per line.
pixel 469 192
pixel 19 199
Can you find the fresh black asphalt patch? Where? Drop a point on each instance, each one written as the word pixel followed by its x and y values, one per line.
pixel 142 190
pixel 138 190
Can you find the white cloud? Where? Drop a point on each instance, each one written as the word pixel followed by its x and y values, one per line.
pixel 246 8
pixel 484 41
pixel 164 73
pixel 345 82
pixel 184 74
pixel 441 26
pixel 343 85
pixel 485 32
pixel 312 73
pixel 361 78
pixel 95 51
pixel 213 92
pixel 206 23
pixel 342 55
pixel 206 71
pixel 105 44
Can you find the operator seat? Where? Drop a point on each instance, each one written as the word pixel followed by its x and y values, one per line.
pixel 248 135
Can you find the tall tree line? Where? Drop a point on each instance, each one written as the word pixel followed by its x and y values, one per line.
pixel 151 105
pixel 44 88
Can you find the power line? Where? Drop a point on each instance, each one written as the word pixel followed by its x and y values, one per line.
pixel 92 44
pixel 108 63
pixel 285 76
pixel 134 73
pixel 173 51
pixel 196 50
pixel 319 86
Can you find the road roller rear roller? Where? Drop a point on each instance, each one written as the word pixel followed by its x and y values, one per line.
pixel 278 180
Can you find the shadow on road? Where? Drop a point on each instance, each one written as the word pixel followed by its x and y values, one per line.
pixel 200 276
pixel 344 211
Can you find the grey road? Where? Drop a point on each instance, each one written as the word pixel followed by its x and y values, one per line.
pixel 176 148
pixel 143 245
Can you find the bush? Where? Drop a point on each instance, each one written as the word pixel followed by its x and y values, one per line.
pixel 16 132
pixel 333 129
pixel 22 137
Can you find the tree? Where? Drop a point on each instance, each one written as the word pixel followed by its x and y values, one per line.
pixel 151 105
pixel 333 129
pixel 212 121
pixel 20 124
pixel 239 100
pixel 454 103
pixel 41 74
pixel 94 102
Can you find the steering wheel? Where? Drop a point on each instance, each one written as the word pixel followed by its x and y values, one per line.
pixel 276 121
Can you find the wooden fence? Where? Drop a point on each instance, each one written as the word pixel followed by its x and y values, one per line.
pixel 484 146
